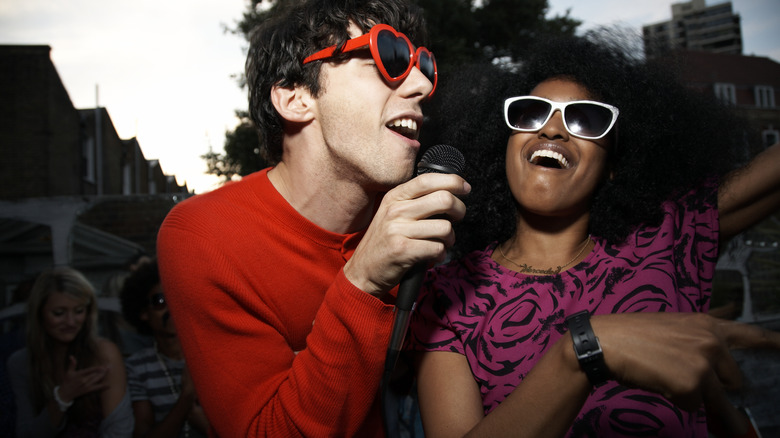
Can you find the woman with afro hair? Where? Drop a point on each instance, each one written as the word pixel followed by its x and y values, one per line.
pixel 601 216
pixel 164 400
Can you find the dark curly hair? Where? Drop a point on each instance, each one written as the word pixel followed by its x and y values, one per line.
pixel 135 295
pixel 668 137
pixel 279 45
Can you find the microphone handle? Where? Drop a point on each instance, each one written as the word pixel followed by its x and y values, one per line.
pixel 404 304
pixel 438 159
pixel 410 286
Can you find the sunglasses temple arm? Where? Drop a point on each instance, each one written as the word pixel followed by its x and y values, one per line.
pixel 348 45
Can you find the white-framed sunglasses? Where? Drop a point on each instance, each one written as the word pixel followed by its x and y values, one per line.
pixel 586 119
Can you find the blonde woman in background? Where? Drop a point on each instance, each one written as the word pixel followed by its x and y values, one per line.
pixel 67 381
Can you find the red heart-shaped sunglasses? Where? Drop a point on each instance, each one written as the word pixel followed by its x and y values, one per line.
pixel 393 54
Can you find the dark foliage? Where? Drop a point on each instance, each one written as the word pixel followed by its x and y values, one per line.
pixel 241 155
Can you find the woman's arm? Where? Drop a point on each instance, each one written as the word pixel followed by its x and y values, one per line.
pixel 544 404
pixel 175 420
pixel 749 194
pixel 197 417
pixel 450 402
pixel 116 376
pixel 118 418
pixel 143 414
pixel 682 356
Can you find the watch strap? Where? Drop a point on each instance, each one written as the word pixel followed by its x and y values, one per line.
pixel 587 348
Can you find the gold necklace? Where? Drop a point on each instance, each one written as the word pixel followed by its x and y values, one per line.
pixel 528 269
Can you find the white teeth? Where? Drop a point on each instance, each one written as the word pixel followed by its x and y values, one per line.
pixel 545 153
pixel 404 123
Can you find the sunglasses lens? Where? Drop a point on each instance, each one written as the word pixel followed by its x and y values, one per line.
pixel 394 53
pixel 427 65
pixel 157 301
pixel 528 114
pixel 587 119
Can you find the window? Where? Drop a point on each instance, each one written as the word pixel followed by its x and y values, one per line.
pixel 127 180
pixel 726 93
pixel 153 166
pixel 765 96
pixel 770 136
pixel 88 159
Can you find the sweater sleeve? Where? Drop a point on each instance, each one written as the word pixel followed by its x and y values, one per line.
pixel 250 379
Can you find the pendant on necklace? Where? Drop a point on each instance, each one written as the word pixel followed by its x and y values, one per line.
pixel 528 269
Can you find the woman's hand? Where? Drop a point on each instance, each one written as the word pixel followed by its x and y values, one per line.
pixel 187 387
pixel 80 382
pixel 682 356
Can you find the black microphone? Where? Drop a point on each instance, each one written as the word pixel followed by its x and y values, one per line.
pixel 441 158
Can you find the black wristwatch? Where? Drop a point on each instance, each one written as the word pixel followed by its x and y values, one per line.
pixel 587 348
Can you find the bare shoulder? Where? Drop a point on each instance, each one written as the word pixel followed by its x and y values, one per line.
pixel 109 351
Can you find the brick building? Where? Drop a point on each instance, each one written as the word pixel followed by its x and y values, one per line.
pixel 51 148
pixel 747 281
pixel 748 83
pixel 72 192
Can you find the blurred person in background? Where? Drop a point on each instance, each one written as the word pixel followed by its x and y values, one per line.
pixel 164 399
pixel 67 381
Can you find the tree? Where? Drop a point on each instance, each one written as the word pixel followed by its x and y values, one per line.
pixel 460 32
pixel 241 150
pixel 242 155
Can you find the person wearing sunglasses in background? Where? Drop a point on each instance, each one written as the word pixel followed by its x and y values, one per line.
pixel 281 285
pixel 164 400
pixel 611 198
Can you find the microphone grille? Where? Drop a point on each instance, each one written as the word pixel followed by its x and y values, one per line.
pixel 441 158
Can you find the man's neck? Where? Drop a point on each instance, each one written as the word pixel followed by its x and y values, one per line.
pixel 337 205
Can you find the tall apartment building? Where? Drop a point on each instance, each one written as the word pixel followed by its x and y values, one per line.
pixel 696 26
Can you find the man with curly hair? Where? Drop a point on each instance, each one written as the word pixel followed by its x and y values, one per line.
pixel 164 399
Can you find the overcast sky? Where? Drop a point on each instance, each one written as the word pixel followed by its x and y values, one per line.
pixel 165 69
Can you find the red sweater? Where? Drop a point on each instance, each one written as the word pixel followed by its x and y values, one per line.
pixel 277 340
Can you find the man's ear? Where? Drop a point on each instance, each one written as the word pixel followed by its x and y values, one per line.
pixel 294 104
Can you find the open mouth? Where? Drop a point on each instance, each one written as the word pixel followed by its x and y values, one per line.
pixel 549 159
pixel 405 127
